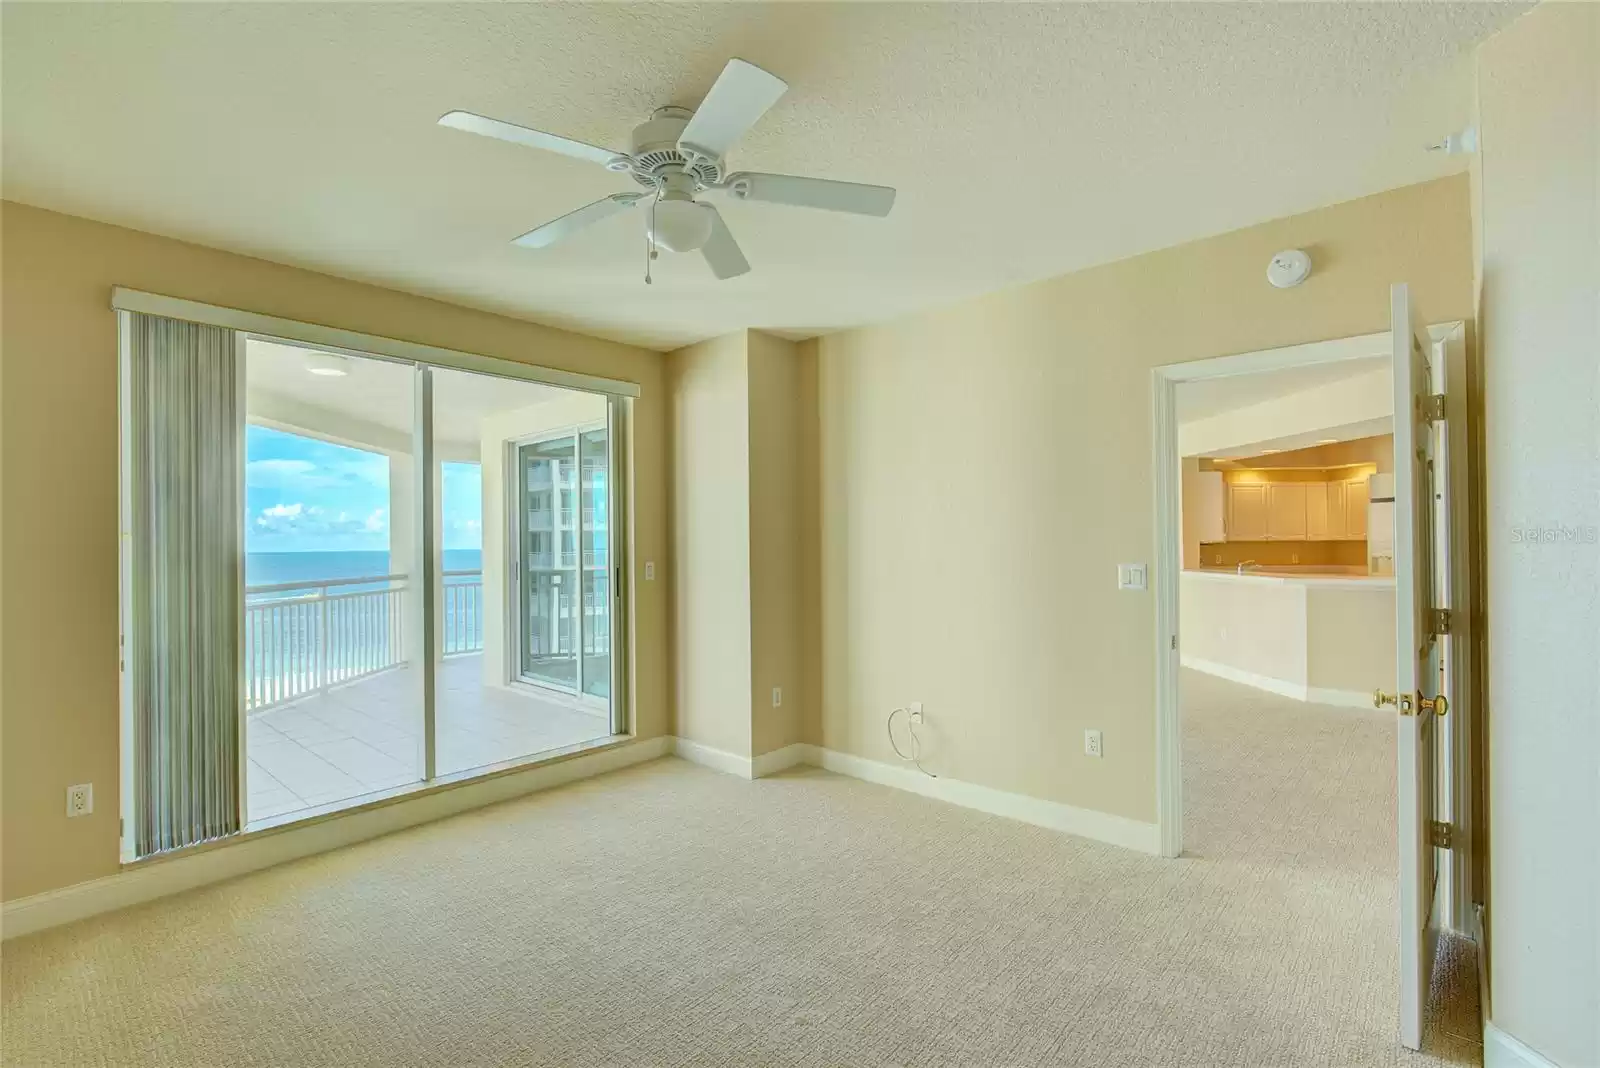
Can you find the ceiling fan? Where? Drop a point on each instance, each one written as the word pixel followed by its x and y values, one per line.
pixel 677 154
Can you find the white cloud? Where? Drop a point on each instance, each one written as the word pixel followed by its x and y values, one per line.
pixel 376 522
pixel 284 511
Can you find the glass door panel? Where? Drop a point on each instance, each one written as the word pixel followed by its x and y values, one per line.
pixel 595 462
pixel 549 591
pixel 332 664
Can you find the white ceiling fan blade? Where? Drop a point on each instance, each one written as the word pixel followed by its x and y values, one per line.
pixel 742 94
pixel 522 135
pixel 852 197
pixel 721 250
pixel 570 223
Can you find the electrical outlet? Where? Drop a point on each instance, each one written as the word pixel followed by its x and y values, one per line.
pixel 80 799
pixel 916 712
pixel 1216 558
pixel 649 570
pixel 777 697
pixel 1294 558
pixel 1091 744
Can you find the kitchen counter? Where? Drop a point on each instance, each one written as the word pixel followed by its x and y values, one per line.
pixel 1323 637
pixel 1318 576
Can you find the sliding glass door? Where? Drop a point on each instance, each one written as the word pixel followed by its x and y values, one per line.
pixel 416 581
pixel 594 546
pixel 564 561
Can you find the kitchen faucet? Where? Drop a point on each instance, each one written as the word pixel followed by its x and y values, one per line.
pixel 1247 563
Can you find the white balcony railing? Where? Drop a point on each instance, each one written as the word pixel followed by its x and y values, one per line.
pixel 302 638
pixel 463 612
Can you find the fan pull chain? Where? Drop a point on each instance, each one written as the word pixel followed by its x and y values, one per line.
pixel 650 240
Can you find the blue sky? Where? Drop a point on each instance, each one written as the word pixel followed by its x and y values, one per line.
pixel 305 495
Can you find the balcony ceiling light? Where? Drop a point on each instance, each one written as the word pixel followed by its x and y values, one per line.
pixel 327 364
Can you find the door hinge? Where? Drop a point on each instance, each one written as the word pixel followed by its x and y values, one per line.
pixel 1439 621
pixel 1433 407
pixel 1441 835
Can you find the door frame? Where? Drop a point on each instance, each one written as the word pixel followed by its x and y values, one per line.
pixel 1449 341
pixel 513 543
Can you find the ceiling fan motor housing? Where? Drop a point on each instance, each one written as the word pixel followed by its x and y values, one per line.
pixel 655 151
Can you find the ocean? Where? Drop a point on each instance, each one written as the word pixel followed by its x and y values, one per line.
pixel 263 569
pixel 301 640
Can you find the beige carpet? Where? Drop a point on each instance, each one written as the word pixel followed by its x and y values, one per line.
pixel 670 915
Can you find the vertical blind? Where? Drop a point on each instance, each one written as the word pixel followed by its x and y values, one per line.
pixel 181 649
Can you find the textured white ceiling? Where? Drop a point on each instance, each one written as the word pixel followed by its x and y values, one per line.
pixel 1026 139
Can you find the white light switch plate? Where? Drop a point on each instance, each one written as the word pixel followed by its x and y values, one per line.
pixel 649 570
pixel 777 697
pixel 1132 577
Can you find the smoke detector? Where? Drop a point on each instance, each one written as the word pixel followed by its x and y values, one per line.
pixel 1289 268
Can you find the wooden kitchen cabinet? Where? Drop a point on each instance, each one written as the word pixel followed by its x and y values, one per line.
pixel 1336 519
pixel 1247 512
pixel 1355 509
pixel 1286 511
pixel 1317 524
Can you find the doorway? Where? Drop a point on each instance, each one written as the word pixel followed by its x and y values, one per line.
pixel 1276 632
pixel 562 569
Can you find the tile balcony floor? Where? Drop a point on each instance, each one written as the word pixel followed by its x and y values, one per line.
pixel 366 736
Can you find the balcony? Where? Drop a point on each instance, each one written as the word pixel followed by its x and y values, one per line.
pixel 333 695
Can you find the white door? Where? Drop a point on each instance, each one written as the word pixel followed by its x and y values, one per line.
pixel 1422 548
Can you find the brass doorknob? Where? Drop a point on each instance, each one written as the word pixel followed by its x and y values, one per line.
pixel 1409 706
pixel 1402 701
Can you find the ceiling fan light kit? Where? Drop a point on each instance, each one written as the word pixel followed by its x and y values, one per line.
pixel 677 154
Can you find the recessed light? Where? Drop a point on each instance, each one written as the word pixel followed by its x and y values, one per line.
pixel 1328 441
pixel 327 364
pixel 1269 452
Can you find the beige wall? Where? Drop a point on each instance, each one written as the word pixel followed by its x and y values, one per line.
pixel 775 611
pixel 979 579
pixel 1539 99
pixel 1249 625
pixel 1350 639
pixel 737 469
pixel 1201 510
pixel 1310 634
pixel 496 432
pixel 1336 407
pixel 809 474
pixel 710 392
pixel 58 496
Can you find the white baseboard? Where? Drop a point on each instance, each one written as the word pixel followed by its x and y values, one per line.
pixel 1086 823
pixel 151 879
pixel 1319 695
pixel 1316 695
pixel 715 759
pixel 779 759
pixel 744 767
pixel 1501 1050
pixel 1245 678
